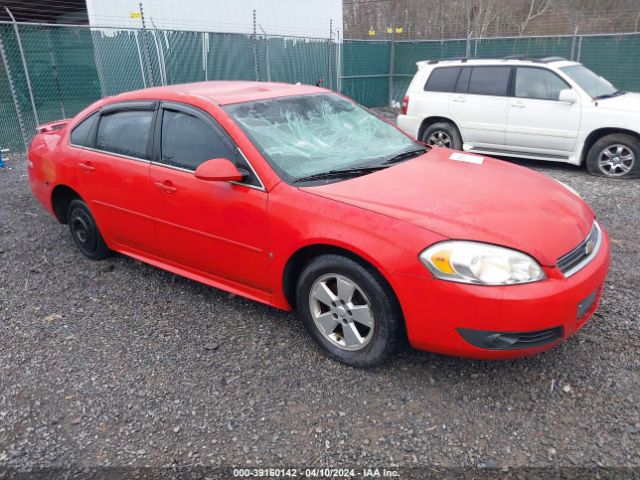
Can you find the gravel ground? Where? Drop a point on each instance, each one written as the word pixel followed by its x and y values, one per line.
pixel 117 363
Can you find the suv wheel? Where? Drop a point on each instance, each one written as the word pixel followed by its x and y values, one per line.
pixel 349 311
pixel 442 134
pixel 85 233
pixel 616 156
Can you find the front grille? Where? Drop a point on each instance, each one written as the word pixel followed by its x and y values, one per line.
pixel 510 340
pixel 577 258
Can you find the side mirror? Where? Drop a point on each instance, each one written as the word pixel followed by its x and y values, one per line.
pixel 218 170
pixel 568 95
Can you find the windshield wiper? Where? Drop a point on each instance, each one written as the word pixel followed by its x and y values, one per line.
pixel 610 95
pixel 343 172
pixel 404 155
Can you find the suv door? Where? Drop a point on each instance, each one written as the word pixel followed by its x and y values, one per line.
pixel 538 121
pixel 215 228
pixel 112 148
pixel 479 105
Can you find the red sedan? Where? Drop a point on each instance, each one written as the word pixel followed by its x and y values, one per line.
pixel 298 198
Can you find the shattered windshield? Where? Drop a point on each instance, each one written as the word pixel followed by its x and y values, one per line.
pixel 311 134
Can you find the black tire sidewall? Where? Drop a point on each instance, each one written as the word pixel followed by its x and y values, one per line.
pixel 101 250
pixel 594 152
pixel 449 128
pixel 387 316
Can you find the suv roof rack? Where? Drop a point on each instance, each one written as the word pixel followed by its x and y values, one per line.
pixel 529 58
pixel 450 59
pixel 523 57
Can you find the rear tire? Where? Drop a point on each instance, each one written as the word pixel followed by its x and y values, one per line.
pixel 85 233
pixel 615 156
pixel 349 310
pixel 442 134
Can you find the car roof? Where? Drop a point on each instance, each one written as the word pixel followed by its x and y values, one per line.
pixel 221 92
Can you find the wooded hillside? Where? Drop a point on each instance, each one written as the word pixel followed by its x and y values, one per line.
pixel 435 19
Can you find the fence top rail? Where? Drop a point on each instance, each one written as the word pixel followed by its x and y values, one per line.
pixel 139 29
pixel 464 39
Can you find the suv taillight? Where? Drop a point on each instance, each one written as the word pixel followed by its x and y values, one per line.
pixel 405 105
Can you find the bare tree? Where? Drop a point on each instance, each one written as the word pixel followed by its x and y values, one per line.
pixel 535 9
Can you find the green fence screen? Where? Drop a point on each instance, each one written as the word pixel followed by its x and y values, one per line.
pixel 72 66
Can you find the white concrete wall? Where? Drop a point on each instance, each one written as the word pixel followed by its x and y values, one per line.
pixel 277 17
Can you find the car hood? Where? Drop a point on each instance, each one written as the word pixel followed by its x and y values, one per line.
pixel 629 102
pixel 494 202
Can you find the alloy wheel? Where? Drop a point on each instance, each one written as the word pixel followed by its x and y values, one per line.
pixel 439 138
pixel 341 311
pixel 616 160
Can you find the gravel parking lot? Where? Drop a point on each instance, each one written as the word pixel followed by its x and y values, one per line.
pixel 117 363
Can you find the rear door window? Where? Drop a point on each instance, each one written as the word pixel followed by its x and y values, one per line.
pixel 442 79
pixel 125 132
pixel 463 80
pixel 489 81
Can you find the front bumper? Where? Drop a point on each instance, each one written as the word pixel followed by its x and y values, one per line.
pixel 438 313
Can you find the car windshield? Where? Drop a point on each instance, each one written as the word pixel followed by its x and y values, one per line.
pixel 307 135
pixel 592 83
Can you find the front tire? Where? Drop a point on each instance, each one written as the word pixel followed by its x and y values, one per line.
pixel 349 310
pixel 615 156
pixel 85 233
pixel 442 134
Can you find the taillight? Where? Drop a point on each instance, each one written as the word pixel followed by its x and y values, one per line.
pixel 405 105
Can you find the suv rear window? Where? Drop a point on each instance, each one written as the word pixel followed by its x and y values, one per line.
pixel 489 81
pixel 442 79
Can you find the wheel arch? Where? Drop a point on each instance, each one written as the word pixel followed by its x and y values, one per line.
pixel 61 197
pixel 428 121
pixel 301 257
pixel 599 133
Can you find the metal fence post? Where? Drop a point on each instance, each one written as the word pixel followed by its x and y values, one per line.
pixel 338 62
pixel 205 55
pixel 160 54
pixel 14 95
pixel 145 45
pixel 266 53
pixel 330 55
pixel 574 39
pixel 24 65
pixel 256 67
pixel 579 52
pixel 56 77
pixel 144 77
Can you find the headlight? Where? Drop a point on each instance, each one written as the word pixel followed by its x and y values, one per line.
pixel 571 189
pixel 480 263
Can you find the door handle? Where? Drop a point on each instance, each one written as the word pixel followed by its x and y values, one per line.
pixel 518 105
pixel 86 166
pixel 459 98
pixel 166 186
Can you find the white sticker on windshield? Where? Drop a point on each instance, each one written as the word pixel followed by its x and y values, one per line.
pixel 464 157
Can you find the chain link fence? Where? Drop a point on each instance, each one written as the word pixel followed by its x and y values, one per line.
pixel 50 72
pixel 377 72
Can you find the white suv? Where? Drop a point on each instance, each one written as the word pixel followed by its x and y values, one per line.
pixel 546 109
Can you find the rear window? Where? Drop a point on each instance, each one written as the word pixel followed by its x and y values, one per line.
pixel 489 81
pixel 80 134
pixel 442 79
